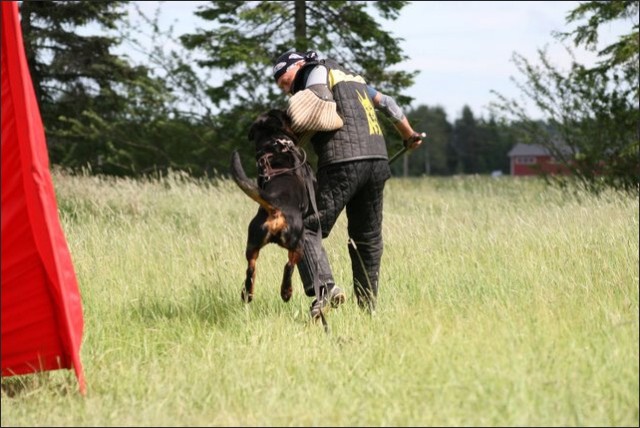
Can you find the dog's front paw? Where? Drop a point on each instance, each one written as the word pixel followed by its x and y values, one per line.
pixel 286 293
pixel 246 297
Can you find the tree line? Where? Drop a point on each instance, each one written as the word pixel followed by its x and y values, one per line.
pixel 188 106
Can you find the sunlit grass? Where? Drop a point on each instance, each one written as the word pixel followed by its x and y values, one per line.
pixel 502 302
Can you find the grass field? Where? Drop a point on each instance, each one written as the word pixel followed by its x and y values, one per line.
pixel 502 303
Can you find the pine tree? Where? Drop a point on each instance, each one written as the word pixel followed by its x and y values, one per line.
pixel 245 38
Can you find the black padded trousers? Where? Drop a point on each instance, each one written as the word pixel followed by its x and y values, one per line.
pixel 357 186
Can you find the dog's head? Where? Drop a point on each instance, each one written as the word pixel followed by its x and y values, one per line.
pixel 272 124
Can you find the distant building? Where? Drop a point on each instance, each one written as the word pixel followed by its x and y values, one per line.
pixel 532 159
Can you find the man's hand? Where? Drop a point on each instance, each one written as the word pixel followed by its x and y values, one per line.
pixel 414 141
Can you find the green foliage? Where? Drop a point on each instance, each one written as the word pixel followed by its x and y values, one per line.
pixel 431 157
pixel 592 125
pixel 480 145
pixel 246 37
pixel 74 74
pixel 621 55
pixel 469 146
pixel 103 113
pixel 497 140
pixel 187 109
pixel 592 114
pixel 466 142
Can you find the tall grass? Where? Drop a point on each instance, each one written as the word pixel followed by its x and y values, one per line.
pixel 502 303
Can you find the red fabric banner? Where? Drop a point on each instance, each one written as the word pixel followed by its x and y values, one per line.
pixel 42 321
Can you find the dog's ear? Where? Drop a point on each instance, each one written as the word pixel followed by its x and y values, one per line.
pixel 276 119
pixel 286 123
pixel 260 122
pixel 285 119
pixel 272 121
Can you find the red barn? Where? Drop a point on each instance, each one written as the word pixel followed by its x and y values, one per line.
pixel 531 159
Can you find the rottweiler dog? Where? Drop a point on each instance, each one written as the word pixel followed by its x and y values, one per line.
pixel 282 192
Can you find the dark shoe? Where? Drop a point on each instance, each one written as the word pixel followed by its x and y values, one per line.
pixel 336 296
pixel 316 310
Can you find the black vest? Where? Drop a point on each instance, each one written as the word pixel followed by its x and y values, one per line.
pixel 361 136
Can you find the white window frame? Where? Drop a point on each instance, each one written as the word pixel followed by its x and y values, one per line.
pixel 526 160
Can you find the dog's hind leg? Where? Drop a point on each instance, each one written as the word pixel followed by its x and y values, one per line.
pixel 249 282
pixel 286 290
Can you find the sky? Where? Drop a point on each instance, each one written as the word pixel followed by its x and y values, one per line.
pixel 462 49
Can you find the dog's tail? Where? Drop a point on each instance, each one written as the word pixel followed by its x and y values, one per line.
pixel 248 186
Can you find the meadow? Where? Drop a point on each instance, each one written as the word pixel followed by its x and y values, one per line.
pixel 503 302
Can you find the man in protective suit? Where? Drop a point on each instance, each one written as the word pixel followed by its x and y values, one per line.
pixel 333 108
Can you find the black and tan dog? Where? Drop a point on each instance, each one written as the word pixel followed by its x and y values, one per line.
pixel 283 192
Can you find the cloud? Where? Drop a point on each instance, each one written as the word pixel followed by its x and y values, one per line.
pixel 464 50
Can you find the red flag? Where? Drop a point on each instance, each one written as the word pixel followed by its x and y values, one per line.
pixel 42 319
